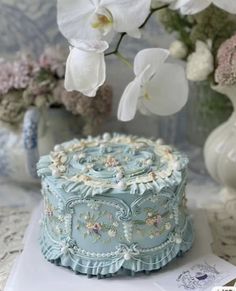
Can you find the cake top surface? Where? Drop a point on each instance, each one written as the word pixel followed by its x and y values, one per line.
pixel 126 163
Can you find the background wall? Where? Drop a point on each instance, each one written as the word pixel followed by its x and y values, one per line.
pixel 30 25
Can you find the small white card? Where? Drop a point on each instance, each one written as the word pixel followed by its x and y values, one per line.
pixel 200 275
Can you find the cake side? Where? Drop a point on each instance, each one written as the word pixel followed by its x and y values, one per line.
pixel 137 227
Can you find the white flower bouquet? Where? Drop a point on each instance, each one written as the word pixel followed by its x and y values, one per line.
pixel 91 27
pixel 159 87
pixel 201 27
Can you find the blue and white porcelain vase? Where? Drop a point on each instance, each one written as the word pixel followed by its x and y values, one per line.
pixel 41 131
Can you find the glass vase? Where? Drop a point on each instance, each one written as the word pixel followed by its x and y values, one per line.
pixel 206 110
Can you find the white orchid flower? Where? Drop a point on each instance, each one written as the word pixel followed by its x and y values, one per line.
pixel 158 88
pixel 190 7
pixel 101 19
pixel 156 3
pixel 85 67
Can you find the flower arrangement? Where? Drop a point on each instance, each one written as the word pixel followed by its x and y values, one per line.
pixel 200 34
pixel 201 27
pixel 14 79
pixel 91 28
pixel 27 82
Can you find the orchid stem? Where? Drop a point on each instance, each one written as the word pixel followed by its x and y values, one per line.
pixel 123 34
pixel 116 50
pixel 151 13
pixel 124 60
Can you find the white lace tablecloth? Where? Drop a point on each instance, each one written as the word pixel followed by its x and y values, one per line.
pixel 16 204
pixel 12 226
pixel 17 201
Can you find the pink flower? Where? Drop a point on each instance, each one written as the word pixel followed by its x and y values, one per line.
pixel 53 60
pixel 16 75
pixel 226 58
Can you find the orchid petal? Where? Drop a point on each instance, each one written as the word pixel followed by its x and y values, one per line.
pixel 85 71
pixel 99 20
pixel 190 7
pixel 179 3
pixel 135 33
pixel 74 19
pixel 129 100
pixel 90 46
pixel 227 5
pixel 165 97
pixel 154 57
pixel 127 16
pixel 194 6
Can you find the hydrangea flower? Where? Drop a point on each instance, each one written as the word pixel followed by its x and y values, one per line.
pixel 226 58
pixel 200 64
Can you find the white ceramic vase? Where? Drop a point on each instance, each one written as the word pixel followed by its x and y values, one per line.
pixel 220 150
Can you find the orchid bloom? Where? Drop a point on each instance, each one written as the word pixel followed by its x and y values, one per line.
pixel 158 88
pixel 190 7
pixel 156 3
pixel 101 19
pixel 85 67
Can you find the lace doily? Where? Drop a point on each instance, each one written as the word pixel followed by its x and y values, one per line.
pixel 13 223
pixel 222 221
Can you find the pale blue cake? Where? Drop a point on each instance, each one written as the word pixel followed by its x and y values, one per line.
pixel 114 202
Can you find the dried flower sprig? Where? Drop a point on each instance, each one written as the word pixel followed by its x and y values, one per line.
pixel 93 110
pixel 25 83
pixel 16 75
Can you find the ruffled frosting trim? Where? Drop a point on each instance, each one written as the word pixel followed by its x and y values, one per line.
pixel 171 171
pixel 142 262
pixel 84 191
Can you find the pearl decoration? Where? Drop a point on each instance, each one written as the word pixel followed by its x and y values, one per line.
pixel 106 136
pixel 168 226
pixel 81 156
pixel 122 185
pixel 176 165
pixel 109 150
pixel 103 149
pixel 127 256
pixel 63 159
pixel 160 141
pixel 65 249
pixel 178 240
pixel 55 173
pixel 119 176
pixel 149 162
pixel 62 169
pixel 57 148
